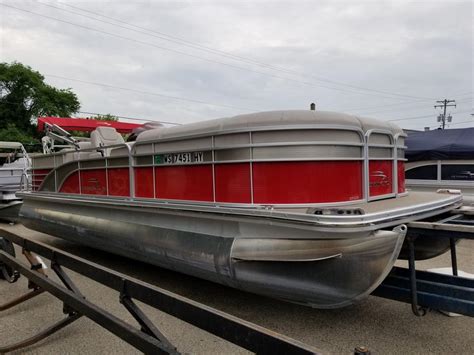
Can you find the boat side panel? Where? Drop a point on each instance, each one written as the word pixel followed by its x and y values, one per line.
pixel 380 177
pixel 118 181
pixel 282 164
pixel 93 182
pixel 144 186
pixel 184 182
pixel 233 183
pixel 71 184
pixel 307 182
pixel 38 175
pixel 401 176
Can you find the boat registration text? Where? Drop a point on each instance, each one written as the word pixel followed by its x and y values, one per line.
pixel 180 158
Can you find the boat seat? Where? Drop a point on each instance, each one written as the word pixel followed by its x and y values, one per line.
pixel 103 137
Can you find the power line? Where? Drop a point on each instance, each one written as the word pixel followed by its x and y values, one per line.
pixel 129 118
pixel 149 93
pixel 191 55
pixel 386 105
pixel 2 101
pixel 400 103
pixel 419 117
pixel 183 42
pixel 457 123
pixel 407 107
pixel 410 118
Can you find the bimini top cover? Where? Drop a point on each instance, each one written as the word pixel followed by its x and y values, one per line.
pixel 266 119
pixel 440 144
pixel 83 124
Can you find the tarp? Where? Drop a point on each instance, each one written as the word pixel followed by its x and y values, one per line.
pixel 85 125
pixel 440 144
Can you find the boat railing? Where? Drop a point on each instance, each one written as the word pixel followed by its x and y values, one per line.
pixel 57 159
pixel 25 181
pixel 241 147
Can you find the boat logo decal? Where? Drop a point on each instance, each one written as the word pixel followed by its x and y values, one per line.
pixel 378 178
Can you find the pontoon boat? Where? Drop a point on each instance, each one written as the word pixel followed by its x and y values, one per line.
pixel 304 206
pixel 14 165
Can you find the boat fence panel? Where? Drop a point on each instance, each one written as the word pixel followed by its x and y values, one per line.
pixel 230 166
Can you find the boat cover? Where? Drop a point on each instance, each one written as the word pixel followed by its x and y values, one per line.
pixel 86 125
pixel 440 144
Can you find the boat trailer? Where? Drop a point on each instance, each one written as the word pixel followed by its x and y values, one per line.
pixel 429 290
pixel 423 290
pixel 147 338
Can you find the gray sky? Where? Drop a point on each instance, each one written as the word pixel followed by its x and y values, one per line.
pixel 195 60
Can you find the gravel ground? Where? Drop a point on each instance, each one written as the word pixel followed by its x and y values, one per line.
pixel 384 326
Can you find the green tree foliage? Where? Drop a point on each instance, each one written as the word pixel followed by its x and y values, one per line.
pixel 12 134
pixel 99 117
pixel 106 117
pixel 24 95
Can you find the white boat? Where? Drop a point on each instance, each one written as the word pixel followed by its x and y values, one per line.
pixel 14 165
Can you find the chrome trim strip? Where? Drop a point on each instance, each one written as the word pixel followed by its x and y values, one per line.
pixel 213 169
pixel 251 170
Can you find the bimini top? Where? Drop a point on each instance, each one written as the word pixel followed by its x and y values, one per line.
pixel 84 125
pixel 440 144
pixel 269 119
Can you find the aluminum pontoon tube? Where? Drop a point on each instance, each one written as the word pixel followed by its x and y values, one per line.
pixel 352 268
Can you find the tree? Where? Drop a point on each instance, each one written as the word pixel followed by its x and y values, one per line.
pixel 12 134
pixel 24 95
pixel 99 117
pixel 106 117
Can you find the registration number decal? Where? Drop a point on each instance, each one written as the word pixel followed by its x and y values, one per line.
pixel 180 158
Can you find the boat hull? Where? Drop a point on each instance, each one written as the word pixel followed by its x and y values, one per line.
pixel 294 262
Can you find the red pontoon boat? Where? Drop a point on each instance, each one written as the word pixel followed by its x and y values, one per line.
pixel 303 206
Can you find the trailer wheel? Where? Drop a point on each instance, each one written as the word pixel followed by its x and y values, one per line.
pixel 7 272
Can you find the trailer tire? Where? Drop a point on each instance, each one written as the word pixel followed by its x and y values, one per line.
pixel 6 272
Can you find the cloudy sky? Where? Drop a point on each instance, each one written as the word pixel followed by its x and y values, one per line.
pixel 185 61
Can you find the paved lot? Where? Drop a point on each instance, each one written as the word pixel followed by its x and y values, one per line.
pixel 385 326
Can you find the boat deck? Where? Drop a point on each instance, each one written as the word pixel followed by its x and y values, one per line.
pixel 412 199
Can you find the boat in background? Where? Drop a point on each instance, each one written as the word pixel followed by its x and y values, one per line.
pixel 304 206
pixel 14 166
pixel 441 159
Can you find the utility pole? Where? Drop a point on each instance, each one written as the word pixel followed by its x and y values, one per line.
pixel 444 103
